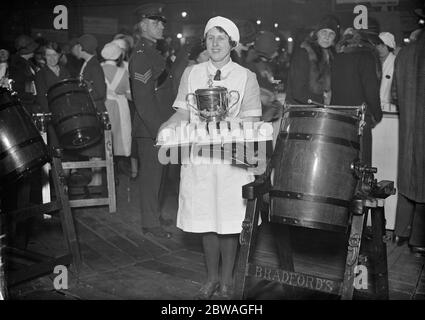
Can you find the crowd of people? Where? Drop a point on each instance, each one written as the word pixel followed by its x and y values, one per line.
pixel 144 90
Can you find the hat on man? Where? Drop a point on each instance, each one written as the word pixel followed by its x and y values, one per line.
pixel 266 44
pixel 151 11
pixel 25 44
pixel 88 43
pixel 388 39
pixel 227 25
pixel 111 51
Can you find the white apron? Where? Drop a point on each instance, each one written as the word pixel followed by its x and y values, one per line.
pixel 119 116
pixel 387 79
pixel 210 198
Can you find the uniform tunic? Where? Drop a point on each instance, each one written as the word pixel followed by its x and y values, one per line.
pixel 151 89
pixel 210 198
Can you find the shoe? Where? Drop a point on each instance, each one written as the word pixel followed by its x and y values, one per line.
pixel 207 291
pixel 417 250
pixel 226 292
pixel 166 222
pixel 158 232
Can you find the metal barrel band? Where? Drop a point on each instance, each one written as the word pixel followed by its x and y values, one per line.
pixel 77 115
pixel 23 170
pixel 308 223
pixel 317 114
pixel 320 138
pixel 309 197
pixel 21 145
pixel 51 100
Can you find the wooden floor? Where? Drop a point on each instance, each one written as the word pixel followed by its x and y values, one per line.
pixel 119 262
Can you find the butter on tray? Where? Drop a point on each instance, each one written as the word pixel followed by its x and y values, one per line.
pixel 215 133
pixel 201 131
pixel 182 132
pixel 236 130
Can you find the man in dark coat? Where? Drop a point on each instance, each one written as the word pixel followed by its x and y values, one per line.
pixel 22 71
pixel 410 86
pixel 92 73
pixel 153 96
pixel 355 80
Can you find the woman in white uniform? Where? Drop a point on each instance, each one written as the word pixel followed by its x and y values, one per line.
pixel 210 199
pixel 386 51
pixel 118 91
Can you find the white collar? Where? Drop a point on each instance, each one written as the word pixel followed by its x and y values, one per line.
pixel 110 62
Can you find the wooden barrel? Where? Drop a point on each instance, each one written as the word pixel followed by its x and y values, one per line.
pixel 22 149
pixel 313 180
pixel 74 115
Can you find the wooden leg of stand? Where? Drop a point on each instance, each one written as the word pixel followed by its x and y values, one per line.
pixel 282 235
pixel 353 251
pixel 110 177
pixel 65 213
pixel 247 243
pixel 379 253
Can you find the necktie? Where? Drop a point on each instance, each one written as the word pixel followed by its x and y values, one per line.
pixel 217 76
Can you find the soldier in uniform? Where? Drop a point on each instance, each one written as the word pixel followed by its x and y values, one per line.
pixel 151 88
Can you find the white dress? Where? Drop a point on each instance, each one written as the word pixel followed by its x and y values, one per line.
pixel 118 112
pixel 210 198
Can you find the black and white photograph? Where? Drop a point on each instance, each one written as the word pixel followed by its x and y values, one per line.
pixel 212 156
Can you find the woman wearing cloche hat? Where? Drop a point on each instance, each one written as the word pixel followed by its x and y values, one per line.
pixel 309 74
pixel 210 200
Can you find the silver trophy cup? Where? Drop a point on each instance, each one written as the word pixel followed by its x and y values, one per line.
pixel 212 104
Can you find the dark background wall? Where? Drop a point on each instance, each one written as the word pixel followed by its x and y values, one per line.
pixel 105 17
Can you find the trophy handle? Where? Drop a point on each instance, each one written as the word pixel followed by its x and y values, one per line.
pixel 189 104
pixel 237 99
